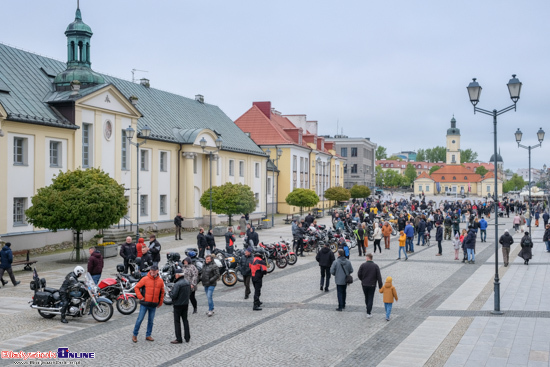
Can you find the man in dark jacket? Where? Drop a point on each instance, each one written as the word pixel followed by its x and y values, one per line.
pixel 71 282
pixel 154 249
pixel 448 222
pixel 229 240
pixel 369 275
pixel 210 241
pixel 341 268
pixel 253 236
pixel 299 239
pixel 325 258
pixel 201 242
pixel 421 230
pixel 470 245
pixel 439 238
pixel 258 269
pixel 95 264
pixel 244 267
pixel 128 251
pixel 545 218
pixel 506 241
pixel 309 219
pixel 178 220
pixel 6 257
pixel 180 297
pixel 401 223
pixel 456 224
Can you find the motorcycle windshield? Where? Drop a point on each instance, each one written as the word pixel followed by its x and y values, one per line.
pixel 90 282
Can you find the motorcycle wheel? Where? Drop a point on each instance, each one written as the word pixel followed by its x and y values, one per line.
pixel 333 247
pixel 292 259
pixel 281 263
pixel 371 237
pixel 270 265
pixel 167 289
pixel 46 315
pixel 393 232
pixel 126 306
pixel 103 311
pixel 229 278
pixel 239 275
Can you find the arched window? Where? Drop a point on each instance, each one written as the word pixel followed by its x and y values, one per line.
pixel 465 177
pixel 454 177
pixel 72 52
pixel 87 52
pixel 80 51
pixel 442 177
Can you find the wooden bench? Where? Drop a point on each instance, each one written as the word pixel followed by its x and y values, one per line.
pixel 26 262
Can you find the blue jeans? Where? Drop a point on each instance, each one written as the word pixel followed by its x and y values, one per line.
pixel 341 293
pixel 483 234
pixel 421 235
pixel 471 254
pixel 388 307
pixel 209 291
pixel 410 244
pixel 405 252
pixel 142 310
pixel 96 278
pixel 528 220
pixel 547 245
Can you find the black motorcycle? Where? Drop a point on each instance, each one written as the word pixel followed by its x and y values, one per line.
pixel 168 274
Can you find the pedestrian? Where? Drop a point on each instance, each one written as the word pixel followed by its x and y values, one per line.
pixel 537 216
pixel 362 240
pixel 180 299
pixel 341 268
pixel 154 249
pixel 389 294
pixel 201 242
pixel 299 239
pixel 526 246
pixel 516 221
pixel 402 243
pixel 369 275
pixel 128 252
pixel 139 247
pixel 258 269
pixel 325 258
pixel 456 245
pixel 95 264
pixel 209 277
pixel 483 229
pixel 409 232
pixel 253 238
pixel 461 238
pixel 546 237
pixel 421 230
pixel 229 240
pixel 178 220
pixel 146 261
pixel 545 218
pixel 242 226
pixel 210 242
pixel 6 259
pixel 439 238
pixel 448 222
pixel 456 225
pixel 244 265
pixel 377 237
pixel 506 240
pixel 152 297
pixel 191 273
pixel 522 222
pixel 470 245
pixel 386 232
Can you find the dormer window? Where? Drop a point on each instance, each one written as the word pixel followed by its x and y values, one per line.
pixel 465 177
pixel 454 177
pixel 442 177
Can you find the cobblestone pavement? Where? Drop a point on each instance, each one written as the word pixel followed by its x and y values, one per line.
pixel 440 301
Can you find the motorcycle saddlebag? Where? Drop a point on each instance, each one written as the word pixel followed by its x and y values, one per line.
pixel 42 298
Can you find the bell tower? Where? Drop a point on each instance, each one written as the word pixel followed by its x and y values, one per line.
pixel 453 144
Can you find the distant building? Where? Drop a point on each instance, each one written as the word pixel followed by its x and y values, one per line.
pixel 524 172
pixel 406 155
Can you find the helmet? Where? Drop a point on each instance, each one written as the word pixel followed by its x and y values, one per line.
pixel 192 254
pixel 170 256
pixel 78 271
pixel 176 256
pixel 120 268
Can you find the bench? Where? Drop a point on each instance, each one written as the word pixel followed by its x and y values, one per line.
pixel 290 218
pixel 26 262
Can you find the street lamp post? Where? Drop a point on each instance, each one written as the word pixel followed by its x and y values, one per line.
pixel 540 137
pixel 474 91
pixel 145 132
pixel 211 153
pixel 276 164
pixel 318 160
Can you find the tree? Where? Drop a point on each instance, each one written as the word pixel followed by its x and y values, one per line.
pixel 514 184
pixel 436 154
pixel 481 170
pixel 230 199
pixel 433 169
pixel 381 153
pixel 359 191
pixel 395 158
pixel 421 155
pixel 80 200
pixel 302 198
pixel 379 176
pixel 410 172
pixel 468 156
pixel 392 178
pixel 337 193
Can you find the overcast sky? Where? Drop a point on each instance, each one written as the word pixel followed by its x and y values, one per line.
pixel 394 71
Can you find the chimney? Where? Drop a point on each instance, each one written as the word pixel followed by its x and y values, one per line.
pixel 265 107
pixel 144 82
pixel 199 98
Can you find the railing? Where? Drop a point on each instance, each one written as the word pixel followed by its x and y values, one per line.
pixel 126 219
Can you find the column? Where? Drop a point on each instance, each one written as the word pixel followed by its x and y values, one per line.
pixel 188 177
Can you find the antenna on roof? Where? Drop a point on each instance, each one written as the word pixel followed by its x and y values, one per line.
pixel 337 121
pixel 134 70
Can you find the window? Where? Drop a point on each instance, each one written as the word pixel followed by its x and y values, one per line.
pixel 124 151
pixel 231 167
pixel 86 145
pixel 55 154
pixel 419 187
pixel 442 177
pixel 195 163
pixel 354 152
pixel 344 152
pixel 465 177
pixel 345 168
pixel 19 206
pixel 128 214
pixel 453 158
pixel 488 188
pixel 241 168
pixel 306 173
pixel 427 188
pixel 162 204
pixel 143 205
pixel 257 170
pixel 454 177
pixel 144 164
pixel 354 168
pixel 269 184
pixel 163 161
pixel 257 199
pixel 302 172
pixel 294 172
pixel 20 151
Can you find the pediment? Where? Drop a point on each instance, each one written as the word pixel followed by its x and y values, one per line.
pixel 110 99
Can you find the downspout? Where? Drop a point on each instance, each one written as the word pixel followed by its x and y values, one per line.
pixel 178 180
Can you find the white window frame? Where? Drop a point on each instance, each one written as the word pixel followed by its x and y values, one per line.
pixel 162 205
pixel 488 188
pixel 241 168
pixel 124 152
pixel 427 188
pixel 19 207
pixel 420 188
pixel 87 145
pixel 257 170
pixel 55 153
pixel 143 199
pixel 269 183
pixel 144 160
pixel 163 157
pixel 232 167
pixel 20 151
pixel 195 164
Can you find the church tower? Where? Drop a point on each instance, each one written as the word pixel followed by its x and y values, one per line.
pixel 453 143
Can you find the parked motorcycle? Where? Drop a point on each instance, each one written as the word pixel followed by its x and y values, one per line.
pixel 120 290
pixel 48 303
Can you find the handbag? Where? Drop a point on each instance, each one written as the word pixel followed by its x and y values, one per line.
pixel 349 278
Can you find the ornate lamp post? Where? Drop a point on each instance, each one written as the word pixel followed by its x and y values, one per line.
pixel 144 133
pixel 219 142
pixel 474 91
pixel 540 137
pixel 276 164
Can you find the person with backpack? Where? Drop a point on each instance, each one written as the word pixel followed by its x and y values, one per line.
pixel 258 269
pixel 341 269
pixel 526 246
pixel 506 240
pixel 325 258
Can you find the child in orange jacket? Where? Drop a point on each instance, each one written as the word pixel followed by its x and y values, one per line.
pixel 402 241
pixel 389 294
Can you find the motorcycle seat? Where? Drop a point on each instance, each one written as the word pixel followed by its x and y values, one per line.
pixel 50 290
pixel 131 279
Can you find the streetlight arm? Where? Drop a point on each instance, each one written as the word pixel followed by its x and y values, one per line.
pixel 529 147
pixel 509 108
pixel 491 113
pixel 486 112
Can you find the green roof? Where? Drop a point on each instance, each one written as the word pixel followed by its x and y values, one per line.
pixel 170 116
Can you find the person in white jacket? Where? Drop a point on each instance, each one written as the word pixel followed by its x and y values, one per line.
pixel 377 237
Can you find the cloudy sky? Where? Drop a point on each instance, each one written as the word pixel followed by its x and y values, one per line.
pixel 394 71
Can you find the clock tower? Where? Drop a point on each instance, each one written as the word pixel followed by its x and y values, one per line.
pixel 453 144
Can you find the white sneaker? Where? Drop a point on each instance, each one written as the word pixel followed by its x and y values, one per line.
pixel 369 316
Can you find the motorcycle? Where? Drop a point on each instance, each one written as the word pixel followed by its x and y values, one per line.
pixel 290 256
pixel 168 274
pixel 48 303
pixel 275 254
pixel 226 265
pixel 120 290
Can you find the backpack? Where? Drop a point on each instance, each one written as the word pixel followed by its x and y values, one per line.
pixel 346 250
pixel 527 242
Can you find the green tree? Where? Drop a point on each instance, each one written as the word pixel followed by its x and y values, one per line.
pixel 468 156
pixel 359 191
pixel 395 158
pixel 337 193
pixel 433 169
pixel 421 155
pixel 302 198
pixel 436 154
pixel 392 178
pixel 80 200
pixel 481 170
pixel 410 172
pixel 379 176
pixel 381 153
pixel 230 199
pixel 514 184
